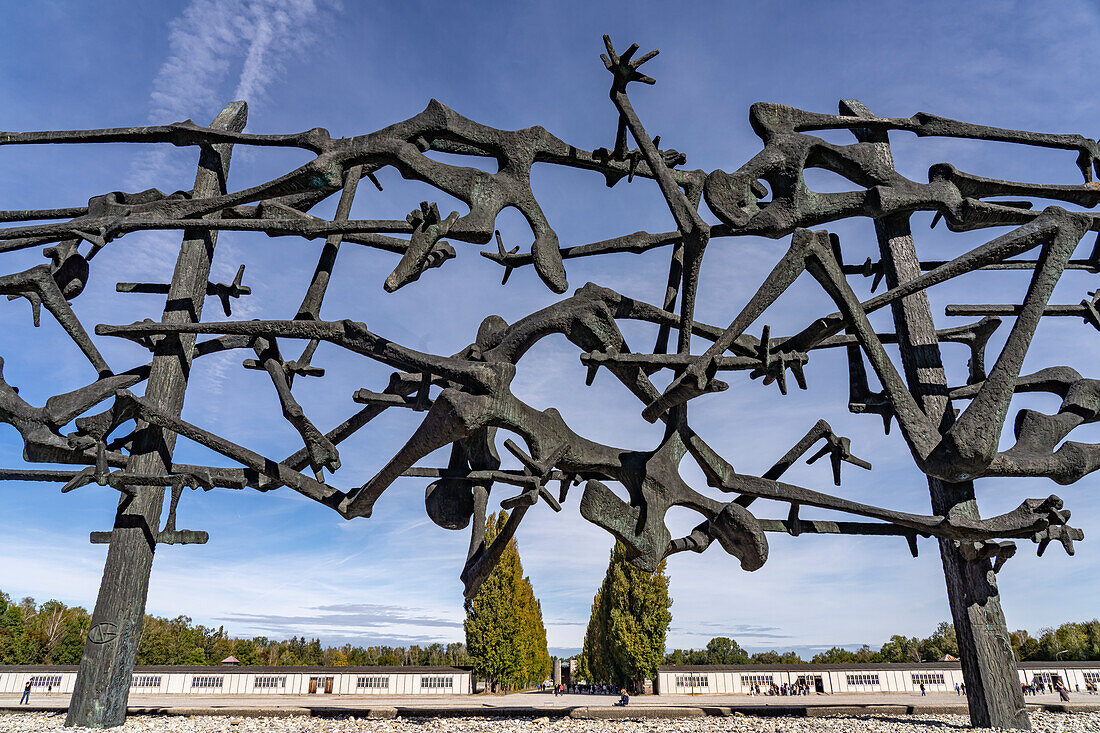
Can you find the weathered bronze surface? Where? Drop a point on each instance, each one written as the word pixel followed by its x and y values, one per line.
pixel 466 398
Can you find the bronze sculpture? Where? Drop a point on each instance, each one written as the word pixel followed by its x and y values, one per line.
pixel 466 397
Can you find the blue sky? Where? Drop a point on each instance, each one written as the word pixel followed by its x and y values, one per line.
pixel 278 564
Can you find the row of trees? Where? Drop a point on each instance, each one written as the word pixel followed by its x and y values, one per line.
pixel 506 637
pixel 625 638
pixel 53 633
pixel 1072 641
pixel 505 634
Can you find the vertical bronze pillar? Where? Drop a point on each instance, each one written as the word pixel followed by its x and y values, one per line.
pixel 988 665
pixel 103 682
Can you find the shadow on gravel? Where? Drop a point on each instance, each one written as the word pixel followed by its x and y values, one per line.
pixel 910 720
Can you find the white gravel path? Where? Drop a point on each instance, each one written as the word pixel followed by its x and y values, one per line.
pixel 1042 722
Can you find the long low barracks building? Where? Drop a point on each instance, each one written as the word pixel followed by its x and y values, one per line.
pixel 739 679
pixel 671 680
pixel 232 680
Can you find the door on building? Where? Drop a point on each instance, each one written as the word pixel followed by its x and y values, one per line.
pixel 320 684
pixel 812 681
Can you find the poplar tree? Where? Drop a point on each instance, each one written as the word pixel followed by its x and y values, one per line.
pixel 625 639
pixel 505 635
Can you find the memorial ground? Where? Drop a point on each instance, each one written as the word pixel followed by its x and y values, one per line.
pixel 544 704
pixel 1043 722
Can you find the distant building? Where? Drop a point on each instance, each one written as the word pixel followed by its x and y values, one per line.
pixel 231 661
pixel 738 679
pixel 229 678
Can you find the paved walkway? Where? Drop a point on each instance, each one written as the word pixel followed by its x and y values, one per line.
pixel 536 704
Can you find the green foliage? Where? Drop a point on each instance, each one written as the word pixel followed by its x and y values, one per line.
pixel 774 657
pixel 901 649
pixel 594 662
pixel 836 655
pixel 625 639
pixel 724 650
pixel 839 655
pixel 54 633
pixel 1070 641
pixel 505 634
pixel 48 634
pixel 688 656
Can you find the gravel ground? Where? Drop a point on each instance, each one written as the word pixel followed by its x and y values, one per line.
pixel 1042 722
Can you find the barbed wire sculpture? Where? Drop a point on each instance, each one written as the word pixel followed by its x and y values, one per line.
pixel 466 397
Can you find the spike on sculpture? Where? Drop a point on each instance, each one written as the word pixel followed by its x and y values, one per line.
pixel 466 400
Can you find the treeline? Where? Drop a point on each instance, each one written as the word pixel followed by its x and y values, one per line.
pixel 504 630
pixel 53 633
pixel 1072 641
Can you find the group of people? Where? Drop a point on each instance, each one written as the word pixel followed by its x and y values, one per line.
pixel 802 687
pixel 585 689
pixel 1039 687
pixel 624 698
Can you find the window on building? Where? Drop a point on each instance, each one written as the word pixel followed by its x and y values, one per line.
pixel 206 682
pixel 379 682
pixel 866 680
pixel 692 680
pixel 1093 677
pixel 756 679
pixel 270 682
pixel 436 683
pixel 927 678
pixel 145 680
pixel 46 680
pixel 1046 678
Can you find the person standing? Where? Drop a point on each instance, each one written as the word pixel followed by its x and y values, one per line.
pixel 1062 691
pixel 922 692
pixel 26 699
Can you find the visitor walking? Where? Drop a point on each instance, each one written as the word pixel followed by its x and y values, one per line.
pixel 26 699
pixel 1062 691
pixel 922 692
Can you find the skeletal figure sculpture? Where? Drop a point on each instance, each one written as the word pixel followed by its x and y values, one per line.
pixel 466 398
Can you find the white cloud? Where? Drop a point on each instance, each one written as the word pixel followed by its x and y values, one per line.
pixel 215 43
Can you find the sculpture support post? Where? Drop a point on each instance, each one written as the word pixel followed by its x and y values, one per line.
pixel 103 682
pixel 989 668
